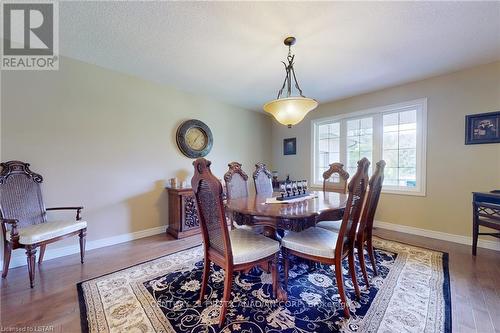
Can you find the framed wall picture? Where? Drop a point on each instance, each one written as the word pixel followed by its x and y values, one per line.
pixel 290 146
pixel 482 128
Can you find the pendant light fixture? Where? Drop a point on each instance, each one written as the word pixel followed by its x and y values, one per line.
pixel 290 110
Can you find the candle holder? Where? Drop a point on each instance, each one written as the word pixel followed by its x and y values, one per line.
pixel 282 190
pixel 292 190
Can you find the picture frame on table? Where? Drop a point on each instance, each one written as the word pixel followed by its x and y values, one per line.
pixel 482 128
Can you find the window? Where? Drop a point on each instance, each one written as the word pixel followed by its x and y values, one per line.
pixel 359 139
pixel 394 133
pixel 329 146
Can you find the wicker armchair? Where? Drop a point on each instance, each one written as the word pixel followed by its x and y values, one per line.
pixel 23 217
pixel 328 247
pixel 262 179
pixel 235 250
pixel 335 178
pixel 365 228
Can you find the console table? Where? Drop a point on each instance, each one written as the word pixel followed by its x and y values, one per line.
pixel 182 213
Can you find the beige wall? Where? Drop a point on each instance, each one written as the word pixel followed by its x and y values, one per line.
pixel 454 170
pixel 106 140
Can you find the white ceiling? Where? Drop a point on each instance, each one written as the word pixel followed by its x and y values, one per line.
pixel 231 51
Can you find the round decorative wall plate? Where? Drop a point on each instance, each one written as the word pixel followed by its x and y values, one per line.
pixel 194 138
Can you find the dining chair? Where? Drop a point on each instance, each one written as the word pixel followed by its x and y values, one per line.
pixel 236 181
pixel 328 247
pixel 364 233
pixel 335 178
pixel 486 213
pixel 23 217
pixel 262 179
pixel 236 250
pixel 236 187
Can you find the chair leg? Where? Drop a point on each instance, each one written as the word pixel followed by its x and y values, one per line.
pixel 286 267
pixel 42 253
pixel 274 274
pixel 268 268
pixel 204 279
pixel 362 263
pixel 31 255
pixel 7 250
pixel 340 284
pixel 352 272
pixel 371 253
pixel 228 282
pixel 475 235
pixel 82 235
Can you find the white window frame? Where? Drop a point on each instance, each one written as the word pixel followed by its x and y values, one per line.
pixel 419 104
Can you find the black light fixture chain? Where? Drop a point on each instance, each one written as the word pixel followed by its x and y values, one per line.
pixel 289 70
pixel 297 83
pixel 284 82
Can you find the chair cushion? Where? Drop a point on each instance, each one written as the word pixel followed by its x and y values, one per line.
pixel 330 225
pixel 243 226
pixel 48 230
pixel 313 241
pixel 248 246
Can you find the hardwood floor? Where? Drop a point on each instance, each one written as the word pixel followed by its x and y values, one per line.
pixel 475 283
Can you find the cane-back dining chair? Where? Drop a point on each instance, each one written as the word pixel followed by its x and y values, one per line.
pixel 23 217
pixel 236 187
pixel 262 179
pixel 335 178
pixel 236 181
pixel 328 247
pixel 365 227
pixel 233 250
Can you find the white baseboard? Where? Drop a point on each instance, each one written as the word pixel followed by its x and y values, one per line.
pixel 19 256
pixel 487 244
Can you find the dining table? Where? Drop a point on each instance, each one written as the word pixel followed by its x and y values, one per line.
pixel 280 216
pixel 277 217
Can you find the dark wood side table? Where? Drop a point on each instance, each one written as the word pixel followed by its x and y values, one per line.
pixel 182 213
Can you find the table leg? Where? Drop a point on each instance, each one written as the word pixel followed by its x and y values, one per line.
pixel 275 234
pixel 270 232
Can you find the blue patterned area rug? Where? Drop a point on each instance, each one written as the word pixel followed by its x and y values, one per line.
pixel 410 294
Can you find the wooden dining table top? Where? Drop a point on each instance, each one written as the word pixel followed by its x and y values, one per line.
pixel 255 205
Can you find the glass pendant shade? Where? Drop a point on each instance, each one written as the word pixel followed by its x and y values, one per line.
pixel 290 110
